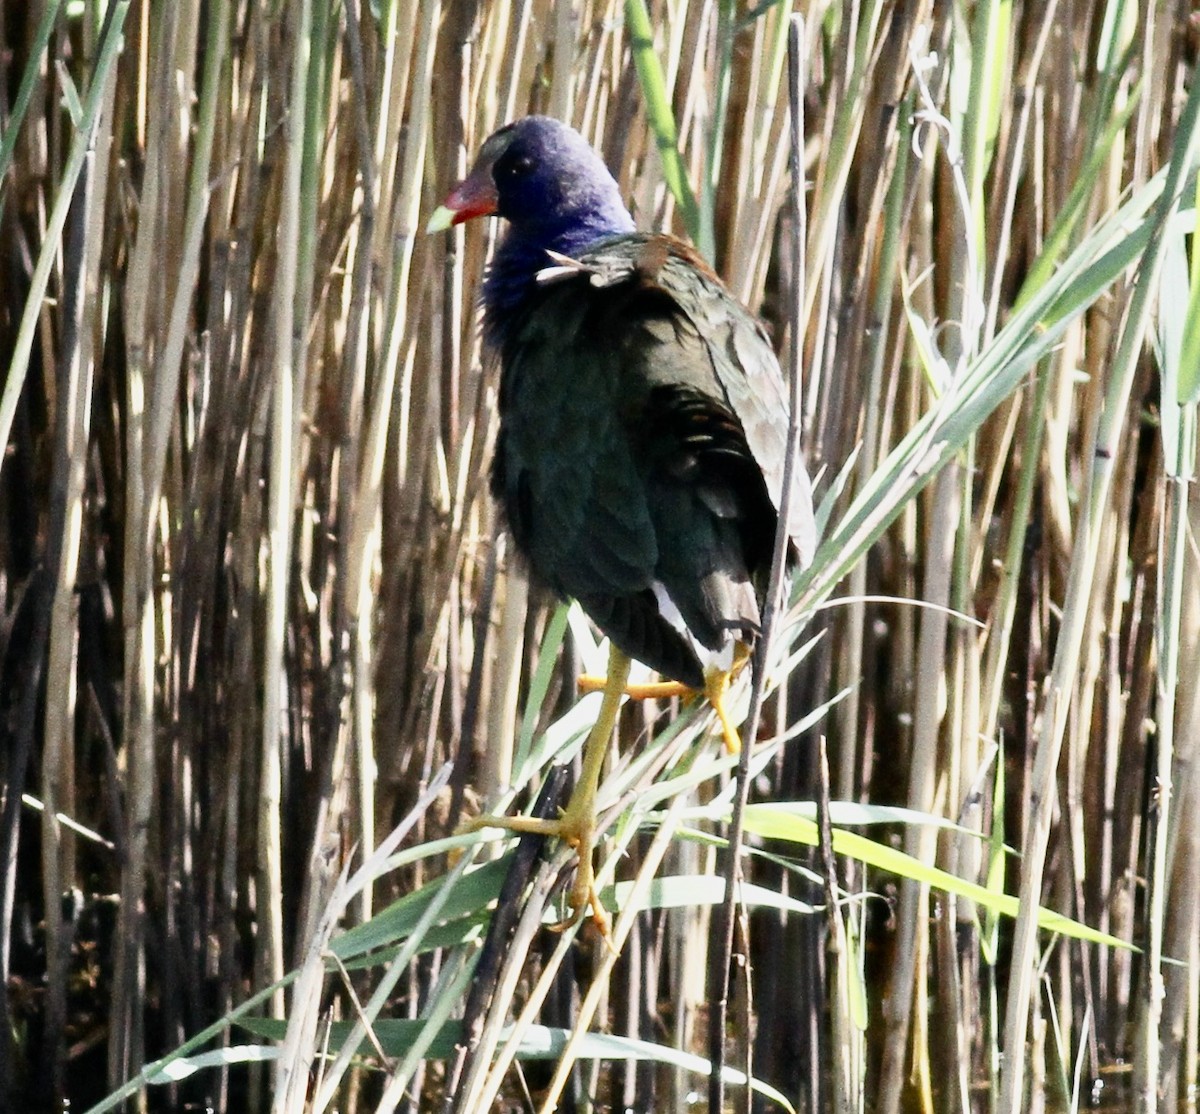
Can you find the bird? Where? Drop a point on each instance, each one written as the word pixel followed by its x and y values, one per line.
pixel 643 427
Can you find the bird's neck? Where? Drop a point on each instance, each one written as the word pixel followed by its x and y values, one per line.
pixel 524 252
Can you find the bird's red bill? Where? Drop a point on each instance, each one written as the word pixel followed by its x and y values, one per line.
pixel 474 196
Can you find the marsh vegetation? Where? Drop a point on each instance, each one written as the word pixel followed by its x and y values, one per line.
pixel 264 643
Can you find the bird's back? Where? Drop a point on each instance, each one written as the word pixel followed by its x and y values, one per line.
pixel 640 453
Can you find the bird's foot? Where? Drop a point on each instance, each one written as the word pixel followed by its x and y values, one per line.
pixel 716 689
pixel 576 827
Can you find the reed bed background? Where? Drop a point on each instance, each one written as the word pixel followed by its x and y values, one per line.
pixel 263 643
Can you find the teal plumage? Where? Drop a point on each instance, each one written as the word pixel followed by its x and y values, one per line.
pixel 643 420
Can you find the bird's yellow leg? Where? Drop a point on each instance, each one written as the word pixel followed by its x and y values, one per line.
pixel 716 688
pixel 576 825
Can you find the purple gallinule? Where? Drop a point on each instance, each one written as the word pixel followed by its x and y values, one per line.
pixel 643 428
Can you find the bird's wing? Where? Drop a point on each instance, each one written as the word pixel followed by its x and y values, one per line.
pixel 743 361
pixel 570 479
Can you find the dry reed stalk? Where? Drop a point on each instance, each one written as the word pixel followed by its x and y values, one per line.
pixel 125 1046
pixel 1183 920
pixel 81 281
pixel 929 699
pixel 288 364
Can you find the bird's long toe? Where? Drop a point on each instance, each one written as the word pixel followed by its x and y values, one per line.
pixel 647 690
pixel 576 827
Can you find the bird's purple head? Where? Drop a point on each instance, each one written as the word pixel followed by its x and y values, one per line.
pixel 542 176
pixel 550 185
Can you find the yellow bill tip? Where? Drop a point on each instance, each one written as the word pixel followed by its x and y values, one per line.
pixel 443 218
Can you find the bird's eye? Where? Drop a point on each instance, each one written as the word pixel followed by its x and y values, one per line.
pixel 520 166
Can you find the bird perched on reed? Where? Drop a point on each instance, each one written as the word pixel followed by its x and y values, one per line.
pixel 643 430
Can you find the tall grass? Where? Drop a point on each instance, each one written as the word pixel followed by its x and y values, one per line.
pixel 264 642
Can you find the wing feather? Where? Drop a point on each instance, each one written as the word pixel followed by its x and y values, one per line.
pixel 640 456
pixel 743 362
